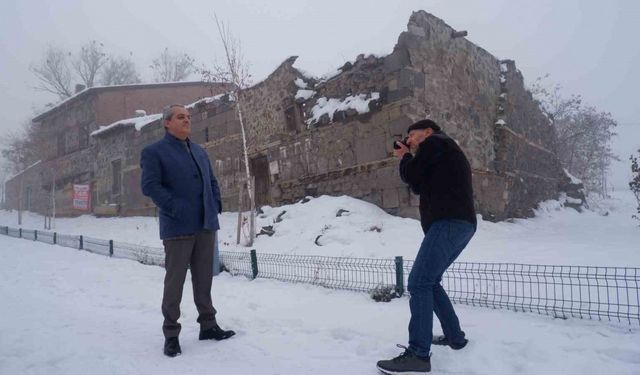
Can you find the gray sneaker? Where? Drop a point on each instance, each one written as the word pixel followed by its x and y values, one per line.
pixel 406 363
pixel 444 341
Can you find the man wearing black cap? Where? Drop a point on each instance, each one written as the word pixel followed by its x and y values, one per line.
pixel 440 173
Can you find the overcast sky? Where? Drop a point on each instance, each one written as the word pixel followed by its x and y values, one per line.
pixel 588 47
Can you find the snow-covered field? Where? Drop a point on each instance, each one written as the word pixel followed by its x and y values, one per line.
pixel 70 312
pixel 557 235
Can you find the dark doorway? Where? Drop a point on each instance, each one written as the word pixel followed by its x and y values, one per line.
pixel 259 167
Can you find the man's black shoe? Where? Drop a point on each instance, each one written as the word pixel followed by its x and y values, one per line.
pixel 172 347
pixel 215 333
pixel 405 363
pixel 443 341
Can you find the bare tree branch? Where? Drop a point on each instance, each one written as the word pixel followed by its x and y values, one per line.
pixel 236 72
pixel 23 147
pixel 634 184
pixel 172 67
pixel 53 72
pixel 89 61
pixel 119 71
pixel 584 135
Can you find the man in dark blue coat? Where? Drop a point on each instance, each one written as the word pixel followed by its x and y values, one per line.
pixel 177 176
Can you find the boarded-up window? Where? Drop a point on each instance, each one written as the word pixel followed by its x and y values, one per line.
pixel 116 179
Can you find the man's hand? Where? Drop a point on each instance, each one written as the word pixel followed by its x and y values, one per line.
pixel 399 153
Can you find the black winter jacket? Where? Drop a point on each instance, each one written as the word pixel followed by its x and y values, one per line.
pixel 440 173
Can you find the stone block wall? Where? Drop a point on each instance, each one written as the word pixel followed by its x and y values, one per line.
pixel 433 72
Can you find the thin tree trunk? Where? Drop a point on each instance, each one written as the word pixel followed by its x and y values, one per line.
pixel 240 204
pixel 238 83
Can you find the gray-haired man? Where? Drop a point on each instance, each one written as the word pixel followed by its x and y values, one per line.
pixel 177 176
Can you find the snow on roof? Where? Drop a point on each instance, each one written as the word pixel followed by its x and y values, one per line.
pixel 138 122
pixel 24 170
pixel 300 83
pixel 113 87
pixel 330 106
pixel 305 94
pixel 337 71
pixel 209 99
pixel 141 122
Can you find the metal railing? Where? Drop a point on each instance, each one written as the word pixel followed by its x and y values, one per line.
pixel 588 292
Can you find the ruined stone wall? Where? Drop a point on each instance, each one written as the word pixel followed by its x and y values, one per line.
pixel 218 132
pixel 214 127
pixel 264 106
pixel 430 73
pixel 461 87
pixel 433 72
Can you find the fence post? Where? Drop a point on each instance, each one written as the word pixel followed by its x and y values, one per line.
pixel 81 243
pixel 110 248
pixel 55 238
pixel 35 235
pixel 399 276
pixel 254 263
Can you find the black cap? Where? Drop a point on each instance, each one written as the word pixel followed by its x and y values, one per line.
pixel 424 124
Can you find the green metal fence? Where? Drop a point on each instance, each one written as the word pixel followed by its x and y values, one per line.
pixel 611 293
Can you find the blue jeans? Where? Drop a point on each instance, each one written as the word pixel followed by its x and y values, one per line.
pixel 442 244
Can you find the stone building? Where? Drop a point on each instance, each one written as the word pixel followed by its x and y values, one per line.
pixel 309 136
pixel 66 148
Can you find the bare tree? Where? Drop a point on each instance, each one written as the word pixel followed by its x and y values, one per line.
pixel 89 61
pixel 119 71
pixel 236 71
pixel 21 148
pixel 584 135
pixel 53 72
pixel 172 67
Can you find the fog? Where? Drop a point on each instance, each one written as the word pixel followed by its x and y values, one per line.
pixel 587 47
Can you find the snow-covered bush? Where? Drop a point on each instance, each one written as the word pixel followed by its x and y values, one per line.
pixel 634 184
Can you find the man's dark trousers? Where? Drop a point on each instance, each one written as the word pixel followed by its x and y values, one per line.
pixel 194 251
pixel 442 244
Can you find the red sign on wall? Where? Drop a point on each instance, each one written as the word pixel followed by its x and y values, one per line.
pixel 82 197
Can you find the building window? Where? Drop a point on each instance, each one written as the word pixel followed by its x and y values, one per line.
pixel 290 117
pixel 116 176
pixel 83 135
pixel 61 143
pixel 219 167
pixel 27 198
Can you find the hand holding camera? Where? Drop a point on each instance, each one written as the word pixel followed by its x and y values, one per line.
pixel 402 141
pixel 401 146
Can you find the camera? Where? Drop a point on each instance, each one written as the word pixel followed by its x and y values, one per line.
pixel 401 140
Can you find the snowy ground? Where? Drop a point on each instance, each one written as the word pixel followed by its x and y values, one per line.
pixel 70 312
pixel 557 235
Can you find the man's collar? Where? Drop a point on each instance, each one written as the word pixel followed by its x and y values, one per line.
pixel 173 138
